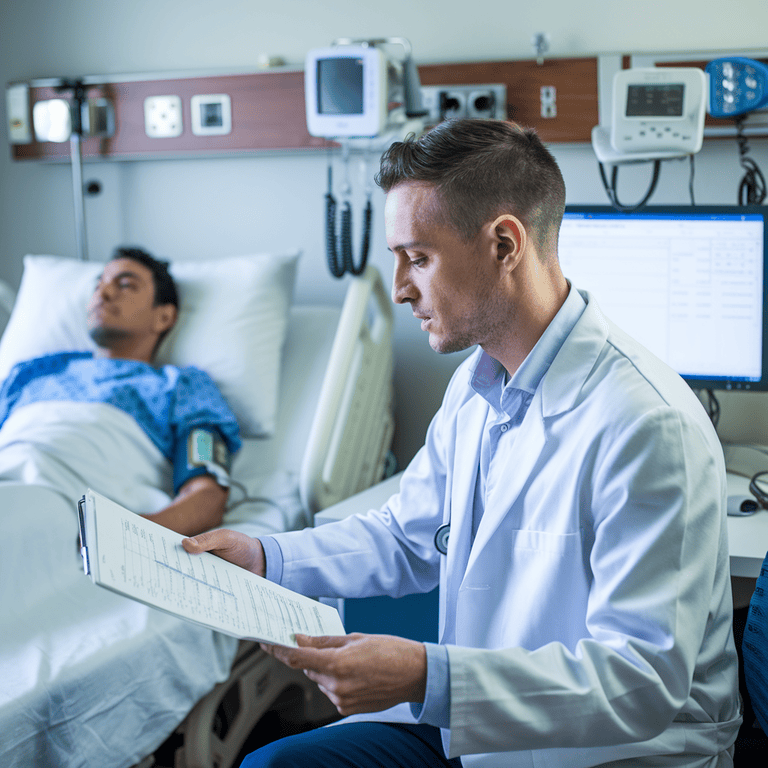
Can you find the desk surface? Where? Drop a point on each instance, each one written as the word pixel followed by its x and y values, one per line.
pixel 747 536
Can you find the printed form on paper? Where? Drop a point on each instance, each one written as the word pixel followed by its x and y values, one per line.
pixel 142 560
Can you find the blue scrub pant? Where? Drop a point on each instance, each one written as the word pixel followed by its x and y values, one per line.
pixel 356 745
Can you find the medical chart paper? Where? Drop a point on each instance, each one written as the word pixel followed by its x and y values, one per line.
pixel 135 557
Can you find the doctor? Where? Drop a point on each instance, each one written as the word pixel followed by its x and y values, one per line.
pixel 569 501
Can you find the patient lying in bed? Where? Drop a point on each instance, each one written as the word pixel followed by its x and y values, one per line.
pixel 111 421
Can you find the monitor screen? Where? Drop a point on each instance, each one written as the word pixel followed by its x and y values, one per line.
pixel 689 283
pixel 340 86
pixel 655 100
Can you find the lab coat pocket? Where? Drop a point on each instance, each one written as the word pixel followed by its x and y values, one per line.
pixel 546 569
pixel 506 597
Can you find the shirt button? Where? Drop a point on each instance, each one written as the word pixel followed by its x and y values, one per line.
pixel 504 427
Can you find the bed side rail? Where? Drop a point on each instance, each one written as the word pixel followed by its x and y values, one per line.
pixel 352 428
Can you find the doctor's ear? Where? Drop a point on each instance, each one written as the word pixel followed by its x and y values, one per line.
pixel 510 239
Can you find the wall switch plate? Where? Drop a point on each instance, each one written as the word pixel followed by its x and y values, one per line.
pixel 211 114
pixel 162 117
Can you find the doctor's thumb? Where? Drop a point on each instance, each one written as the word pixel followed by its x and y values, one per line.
pixel 320 641
pixel 201 543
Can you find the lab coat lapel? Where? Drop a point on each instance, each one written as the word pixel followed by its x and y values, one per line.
pixel 502 500
pixel 471 422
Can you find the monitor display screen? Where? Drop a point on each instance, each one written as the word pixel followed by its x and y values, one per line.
pixel 655 100
pixel 689 283
pixel 340 86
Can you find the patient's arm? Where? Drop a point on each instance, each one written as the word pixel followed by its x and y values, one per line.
pixel 198 506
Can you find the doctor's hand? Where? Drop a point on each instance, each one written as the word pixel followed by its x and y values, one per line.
pixel 234 546
pixel 360 673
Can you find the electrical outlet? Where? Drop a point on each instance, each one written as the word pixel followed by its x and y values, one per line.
pixel 455 101
pixel 453 104
pixel 548 95
pixel 162 117
pixel 488 101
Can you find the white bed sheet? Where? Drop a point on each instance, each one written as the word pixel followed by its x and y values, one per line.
pixel 91 678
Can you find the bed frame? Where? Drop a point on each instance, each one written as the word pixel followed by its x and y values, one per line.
pixel 352 426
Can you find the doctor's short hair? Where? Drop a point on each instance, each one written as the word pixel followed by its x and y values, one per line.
pixel 483 169
pixel 165 287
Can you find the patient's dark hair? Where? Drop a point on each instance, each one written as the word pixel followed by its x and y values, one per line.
pixel 165 287
pixel 482 169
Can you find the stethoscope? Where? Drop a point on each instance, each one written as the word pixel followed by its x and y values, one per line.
pixel 441 538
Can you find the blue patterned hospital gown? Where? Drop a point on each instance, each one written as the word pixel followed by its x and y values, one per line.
pixel 166 402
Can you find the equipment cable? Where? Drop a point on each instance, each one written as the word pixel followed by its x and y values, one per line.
pixel 339 248
pixel 690 178
pixel 610 189
pixel 256 500
pixel 713 407
pixel 752 189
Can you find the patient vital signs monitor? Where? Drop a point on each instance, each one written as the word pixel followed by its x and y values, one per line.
pixel 346 91
pixel 689 283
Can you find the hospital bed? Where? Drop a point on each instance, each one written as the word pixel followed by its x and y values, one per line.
pixel 92 678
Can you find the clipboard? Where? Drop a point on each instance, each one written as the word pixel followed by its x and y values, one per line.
pixel 135 557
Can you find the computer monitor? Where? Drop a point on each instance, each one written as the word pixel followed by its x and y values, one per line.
pixel 688 282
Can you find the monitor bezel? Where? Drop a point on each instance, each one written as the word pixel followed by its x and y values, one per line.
pixel 697 383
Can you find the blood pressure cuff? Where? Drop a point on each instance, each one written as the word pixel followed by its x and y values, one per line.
pixel 202 452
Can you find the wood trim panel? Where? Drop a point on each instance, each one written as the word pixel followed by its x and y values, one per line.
pixel 268 109
pixel 267 114
pixel 575 81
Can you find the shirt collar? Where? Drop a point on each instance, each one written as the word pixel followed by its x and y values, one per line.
pixel 488 378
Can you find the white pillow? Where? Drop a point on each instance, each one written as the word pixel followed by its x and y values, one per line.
pixel 233 315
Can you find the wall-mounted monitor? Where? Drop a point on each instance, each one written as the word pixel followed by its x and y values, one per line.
pixel 688 282
pixel 346 91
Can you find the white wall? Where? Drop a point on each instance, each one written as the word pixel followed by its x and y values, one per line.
pixel 202 208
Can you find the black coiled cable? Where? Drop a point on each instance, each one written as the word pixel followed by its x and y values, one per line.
pixel 752 189
pixel 610 189
pixel 341 263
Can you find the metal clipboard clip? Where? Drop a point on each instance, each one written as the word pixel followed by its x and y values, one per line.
pixel 83 542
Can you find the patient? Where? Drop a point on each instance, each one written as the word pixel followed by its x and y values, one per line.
pixel 112 421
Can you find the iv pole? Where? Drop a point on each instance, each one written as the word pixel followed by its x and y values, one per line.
pixel 76 157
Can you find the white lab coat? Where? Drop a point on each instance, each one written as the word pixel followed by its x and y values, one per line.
pixel 592 611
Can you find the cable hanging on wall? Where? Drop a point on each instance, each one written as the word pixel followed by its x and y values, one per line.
pixel 752 189
pixel 610 188
pixel 338 244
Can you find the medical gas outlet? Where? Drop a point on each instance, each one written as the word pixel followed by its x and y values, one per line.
pixel 444 102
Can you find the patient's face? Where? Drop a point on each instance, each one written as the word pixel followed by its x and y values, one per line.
pixel 123 305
